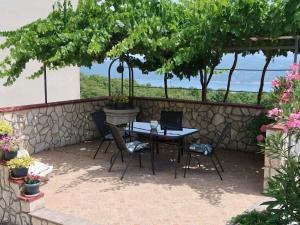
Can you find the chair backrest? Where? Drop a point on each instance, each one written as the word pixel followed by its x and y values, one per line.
pixel 118 138
pixel 171 120
pixel 220 138
pixel 99 118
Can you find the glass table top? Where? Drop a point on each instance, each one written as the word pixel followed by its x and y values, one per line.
pixel 145 128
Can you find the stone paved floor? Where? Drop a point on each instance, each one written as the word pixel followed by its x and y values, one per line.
pixel 83 187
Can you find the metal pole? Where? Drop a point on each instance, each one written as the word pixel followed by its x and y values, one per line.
pixel 122 82
pixel 296 49
pixel 109 76
pixel 129 83
pixel 45 84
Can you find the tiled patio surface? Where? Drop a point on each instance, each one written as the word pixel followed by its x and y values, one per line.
pixel 82 186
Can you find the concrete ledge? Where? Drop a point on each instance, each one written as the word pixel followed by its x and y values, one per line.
pixel 56 218
pixel 35 106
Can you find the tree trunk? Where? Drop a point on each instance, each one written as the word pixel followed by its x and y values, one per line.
pixel 230 76
pixel 262 80
pixel 166 85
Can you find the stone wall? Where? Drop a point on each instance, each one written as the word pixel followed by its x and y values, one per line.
pixel 53 125
pixel 58 124
pixel 209 118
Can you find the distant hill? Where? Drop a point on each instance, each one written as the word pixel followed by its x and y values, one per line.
pixel 241 80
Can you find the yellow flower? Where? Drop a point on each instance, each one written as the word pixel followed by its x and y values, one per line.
pixel 5 128
pixel 23 162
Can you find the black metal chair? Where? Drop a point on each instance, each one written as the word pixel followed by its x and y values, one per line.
pixel 99 118
pixel 170 120
pixel 132 148
pixel 209 150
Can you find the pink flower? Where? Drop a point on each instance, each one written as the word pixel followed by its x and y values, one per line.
pixel 295 67
pixel 276 83
pixel 274 112
pixel 294 116
pixel 293 123
pixel 263 128
pixel 260 138
pixel 292 76
pixel 286 95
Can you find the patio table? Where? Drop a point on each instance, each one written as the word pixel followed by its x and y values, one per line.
pixel 178 136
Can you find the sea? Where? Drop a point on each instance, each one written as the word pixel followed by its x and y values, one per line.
pixel 245 78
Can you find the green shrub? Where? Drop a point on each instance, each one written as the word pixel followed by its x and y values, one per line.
pixel 255 218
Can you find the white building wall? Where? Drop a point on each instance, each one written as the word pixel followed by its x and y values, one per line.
pixel 63 84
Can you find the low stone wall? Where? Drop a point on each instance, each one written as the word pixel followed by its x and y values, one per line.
pixel 207 117
pixel 53 125
pixel 58 124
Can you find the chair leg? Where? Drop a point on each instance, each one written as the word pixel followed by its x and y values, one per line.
pixel 107 147
pixel 152 162
pixel 216 167
pixel 112 160
pixel 188 162
pixel 199 164
pixel 122 157
pixel 140 160
pixel 178 154
pixel 102 141
pixel 219 162
pixel 127 165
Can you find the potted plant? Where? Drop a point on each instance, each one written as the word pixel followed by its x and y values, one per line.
pixel 10 147
pixel 5 128
pixel 19 166
pixel 119 102
pixel 32 184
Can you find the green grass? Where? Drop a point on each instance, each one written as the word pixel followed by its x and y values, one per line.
pixel 94 86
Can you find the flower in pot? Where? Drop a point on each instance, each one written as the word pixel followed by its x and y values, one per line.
pixel 19 166
pixel 5 128
pixel 119 102
pixel 32 184
pixel 10 147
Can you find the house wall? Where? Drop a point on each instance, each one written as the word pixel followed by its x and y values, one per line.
pixel 63 84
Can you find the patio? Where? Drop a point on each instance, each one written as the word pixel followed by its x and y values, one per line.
pixel 79 182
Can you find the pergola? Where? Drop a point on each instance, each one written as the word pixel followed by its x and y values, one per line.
pixel 251 45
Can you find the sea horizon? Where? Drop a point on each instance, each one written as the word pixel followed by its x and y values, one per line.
pixel 241 80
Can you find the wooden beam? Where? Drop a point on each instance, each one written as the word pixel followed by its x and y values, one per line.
pixel 257 48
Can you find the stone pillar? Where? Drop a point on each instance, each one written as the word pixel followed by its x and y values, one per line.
pixel 271 164
pixel 15 208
